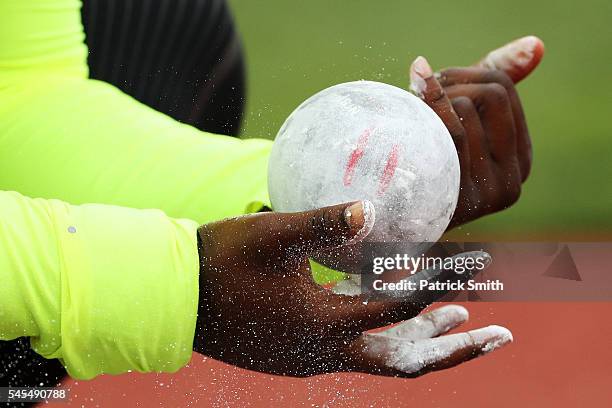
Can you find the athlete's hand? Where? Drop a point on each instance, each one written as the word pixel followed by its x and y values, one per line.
pixel 482 111
pixel 260 309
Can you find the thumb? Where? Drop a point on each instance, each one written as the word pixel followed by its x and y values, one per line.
pixel 310 231
pixel 517 58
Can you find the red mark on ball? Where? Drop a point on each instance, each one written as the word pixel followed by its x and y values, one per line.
pixel 389 170
pixel 355 156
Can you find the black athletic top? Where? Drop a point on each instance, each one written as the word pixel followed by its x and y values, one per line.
pixel 181 57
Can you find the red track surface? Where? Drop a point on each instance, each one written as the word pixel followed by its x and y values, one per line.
pixel 561 357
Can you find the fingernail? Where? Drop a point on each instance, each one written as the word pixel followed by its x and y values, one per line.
pixel 491 337
pixel 360 218
pixel 420 70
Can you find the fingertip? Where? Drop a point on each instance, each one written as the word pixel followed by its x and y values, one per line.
pixel 458 313
pixel 534 48
pixel 484 257
pixel 534 43
pixel 501 332
pixel 538 49
pixel 517 58
pixel 360 218
pixel 491 338
pixel 421 67
pixel 420 71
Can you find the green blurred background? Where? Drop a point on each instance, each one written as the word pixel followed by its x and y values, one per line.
pixel 295 49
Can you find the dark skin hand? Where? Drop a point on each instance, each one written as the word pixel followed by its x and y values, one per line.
pixel 481 108
pixel 260 309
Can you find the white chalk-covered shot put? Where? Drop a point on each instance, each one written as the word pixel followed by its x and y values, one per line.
pixel 371 141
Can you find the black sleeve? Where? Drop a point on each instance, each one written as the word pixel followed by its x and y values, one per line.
pixel 180 57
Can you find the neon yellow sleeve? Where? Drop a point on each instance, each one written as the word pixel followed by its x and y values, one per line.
pixel 106 289
pixel 65 136
pixel 121 292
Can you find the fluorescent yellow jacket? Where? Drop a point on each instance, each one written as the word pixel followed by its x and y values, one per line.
pixel 106 289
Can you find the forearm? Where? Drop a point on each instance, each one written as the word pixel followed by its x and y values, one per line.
pixel 84 141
